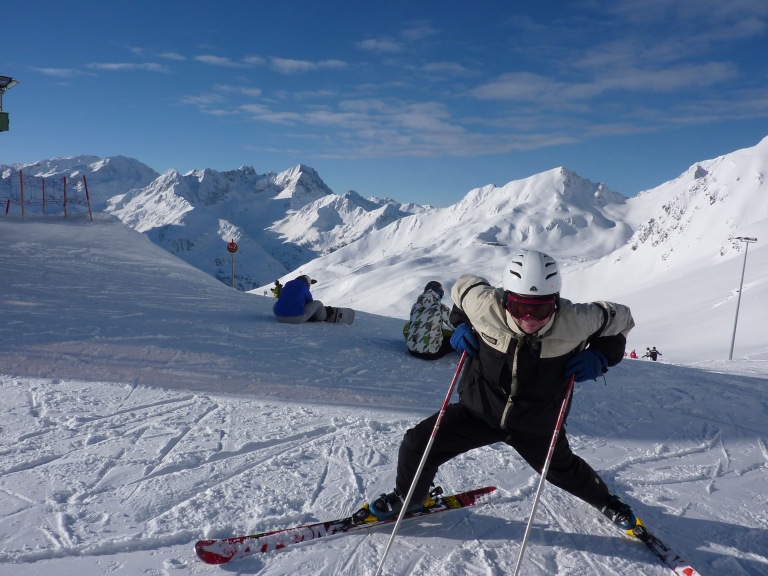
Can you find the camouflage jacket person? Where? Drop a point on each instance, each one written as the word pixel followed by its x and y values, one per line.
pixel 424 333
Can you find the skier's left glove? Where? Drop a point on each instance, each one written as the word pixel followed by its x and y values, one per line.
pixel 586 365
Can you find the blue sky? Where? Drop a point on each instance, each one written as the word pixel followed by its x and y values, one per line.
pixel 419 101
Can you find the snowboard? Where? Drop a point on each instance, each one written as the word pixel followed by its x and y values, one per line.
pixel 340 315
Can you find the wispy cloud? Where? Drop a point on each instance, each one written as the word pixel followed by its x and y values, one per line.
pixel 62 72
pixel 171 56
pixel 254 60
pixel 418 30
pixel 219 111
pixel 290 66
pixel 120 66
pixel 530 87
pixel 588 77
pixel 671 79
pixel 381 45
pixel 524 86
pixel 202 100
pixel 410 33
pixel 245 91
pixel 148 53
pixel 220 61
pixel 375 127
pixel 446 69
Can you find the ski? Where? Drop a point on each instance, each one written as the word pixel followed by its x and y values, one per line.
pixel 667 555
pixel 223 550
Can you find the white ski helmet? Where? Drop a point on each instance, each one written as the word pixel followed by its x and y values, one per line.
pixel 532 273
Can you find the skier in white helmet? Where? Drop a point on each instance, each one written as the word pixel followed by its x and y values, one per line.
pixel 524 342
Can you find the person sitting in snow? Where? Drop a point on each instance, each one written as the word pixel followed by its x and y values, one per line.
pixel 524 343
pixel 428 332
pixel 295 304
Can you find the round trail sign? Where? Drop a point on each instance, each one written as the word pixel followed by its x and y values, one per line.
pixel 232 247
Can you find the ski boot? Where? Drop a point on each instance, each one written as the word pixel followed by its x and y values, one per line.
pixel 621 515
pixel 389 505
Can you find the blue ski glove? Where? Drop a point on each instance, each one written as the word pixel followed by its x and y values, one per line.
pixel 464 340
pixel 586 365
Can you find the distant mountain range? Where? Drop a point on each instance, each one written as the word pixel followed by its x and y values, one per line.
pixel 280 221
pixel 291 221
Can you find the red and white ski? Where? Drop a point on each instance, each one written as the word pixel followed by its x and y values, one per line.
pixel 223 550
pixel 672 559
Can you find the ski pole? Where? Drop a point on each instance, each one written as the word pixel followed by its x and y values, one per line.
pixel 422 463
pixel 544 471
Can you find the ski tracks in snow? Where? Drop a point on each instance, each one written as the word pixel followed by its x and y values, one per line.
pixel 101 466
pixel 93 468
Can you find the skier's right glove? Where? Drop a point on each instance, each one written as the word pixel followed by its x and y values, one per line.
pixel 464 340
pixel 586 365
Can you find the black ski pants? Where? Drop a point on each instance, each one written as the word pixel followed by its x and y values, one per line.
pixel 461 432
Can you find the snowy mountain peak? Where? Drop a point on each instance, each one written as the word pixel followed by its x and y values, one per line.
pixel 301 184
pixel 291 220
pixel 555 211
pixel 107 177
pixel 688 224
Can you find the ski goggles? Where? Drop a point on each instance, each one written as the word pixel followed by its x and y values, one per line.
pixel 521 307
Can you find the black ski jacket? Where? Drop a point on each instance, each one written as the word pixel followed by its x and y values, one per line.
pixel 515 381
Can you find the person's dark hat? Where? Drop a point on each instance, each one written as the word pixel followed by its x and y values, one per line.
pixel 436 287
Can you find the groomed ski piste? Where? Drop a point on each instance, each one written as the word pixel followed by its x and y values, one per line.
pixel 147 405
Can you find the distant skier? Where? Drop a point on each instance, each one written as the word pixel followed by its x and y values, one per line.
pixel 633 355
pixel 428 332
pixel 276 289
pixel 653 353
pixel 524 342
pixel 295 304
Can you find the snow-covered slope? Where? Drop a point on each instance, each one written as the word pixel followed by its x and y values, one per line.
pixel 664 243
pixel 146 405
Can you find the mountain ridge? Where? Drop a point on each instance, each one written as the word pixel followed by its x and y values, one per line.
pixel 672 237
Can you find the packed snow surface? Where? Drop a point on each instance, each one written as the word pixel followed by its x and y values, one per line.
pixel 147 405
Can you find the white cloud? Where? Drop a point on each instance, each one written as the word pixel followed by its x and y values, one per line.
pixel 120 66
pixel 518 86
pixel 202 100
pixel 292 66
pixel 62 72
pixel 254 60
pixel 382 45
pixel 219 61
pixel 446 68
pixel 418 31
pixel 529 87
pixel 245 91
pixel 172 56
